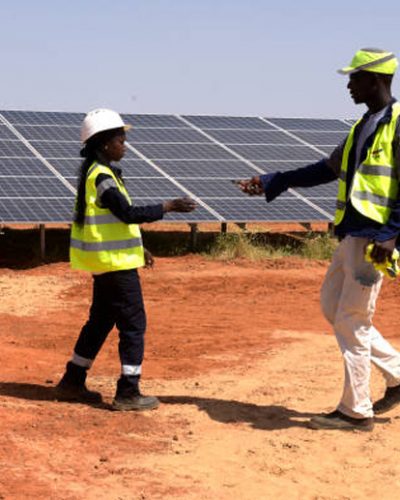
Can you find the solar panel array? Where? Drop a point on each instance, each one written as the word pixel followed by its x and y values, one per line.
pixel 168 156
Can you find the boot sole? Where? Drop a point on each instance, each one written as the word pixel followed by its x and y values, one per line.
pixel 125 407
pixel 320 426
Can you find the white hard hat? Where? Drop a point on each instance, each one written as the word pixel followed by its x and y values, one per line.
pixel 100 120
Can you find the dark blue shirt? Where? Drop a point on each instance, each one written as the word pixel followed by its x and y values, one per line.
pixel 327 170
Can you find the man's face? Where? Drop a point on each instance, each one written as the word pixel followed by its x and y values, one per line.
pixel 363 86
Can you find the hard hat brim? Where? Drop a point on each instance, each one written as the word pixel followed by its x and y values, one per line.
pixel 347 70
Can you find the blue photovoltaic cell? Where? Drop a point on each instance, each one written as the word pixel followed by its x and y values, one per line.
pixel 184 151
pixel 12 149
pixel 322 138
pixel 6 133
pixel 49 133
pixel 156 121
pixel 213 188
pixel 43 118
pixel 283 166
pixel 271 152
pixel 153 187
pixel 67 167
pixel 23 167
pixel 252 137
pixel 231 122
pixel 165 135
pixel 309 124
pixel 255 209
pixel 327 204
pixel 36 211
pixel 323 190
pixel 37 187
pixel 57 149
pixel 137 168
pixel 232 169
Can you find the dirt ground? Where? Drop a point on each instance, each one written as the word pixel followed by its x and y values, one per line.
pixel 240 356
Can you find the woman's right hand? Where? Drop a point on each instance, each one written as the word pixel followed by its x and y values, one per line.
pixel 179 205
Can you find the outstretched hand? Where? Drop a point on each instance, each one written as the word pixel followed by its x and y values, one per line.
pixel 252 187
pixel 179 205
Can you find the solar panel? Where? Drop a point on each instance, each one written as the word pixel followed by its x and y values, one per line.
pixel 6 133
pixel 43 118
pixel 36 211
pixel 168 156
pixel 155 121
pixel 283 209
pixel 184 151
pixel 13 149
pixel 309 124
pixel 322 138
pixel 22 167
pixel 50 133
pixel 33 187
pixel 231 169
pixel 228 122
pixel 272 152
pixel 166 135
pixel 251 136
pixel 151 187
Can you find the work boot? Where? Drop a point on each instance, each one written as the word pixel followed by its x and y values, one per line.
pixel 129 398
pixel 337 420
pixel 389 400
pixel 72 386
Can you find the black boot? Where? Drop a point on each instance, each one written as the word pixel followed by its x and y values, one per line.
pixel 129 398
pixel 72 386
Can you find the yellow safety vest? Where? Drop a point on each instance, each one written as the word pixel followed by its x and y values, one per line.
pixel 104 243
pixel 375 183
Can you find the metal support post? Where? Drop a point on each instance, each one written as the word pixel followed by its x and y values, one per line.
pixel 193 236
pixel 224 226
pixel 42 231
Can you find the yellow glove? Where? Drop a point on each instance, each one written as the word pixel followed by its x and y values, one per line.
pixel 390 267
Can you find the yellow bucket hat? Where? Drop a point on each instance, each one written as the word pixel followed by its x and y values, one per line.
pixel 374 60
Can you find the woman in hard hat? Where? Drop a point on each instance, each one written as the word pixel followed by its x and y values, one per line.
pixel 106 241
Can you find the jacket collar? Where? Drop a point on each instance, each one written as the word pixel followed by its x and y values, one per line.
pixel 387 117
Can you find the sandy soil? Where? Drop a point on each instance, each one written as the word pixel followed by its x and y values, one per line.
pixel 240 357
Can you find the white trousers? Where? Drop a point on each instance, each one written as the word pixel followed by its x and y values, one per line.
pixel 348 299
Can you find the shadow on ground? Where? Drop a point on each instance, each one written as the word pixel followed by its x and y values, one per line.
pixel 36 392
pixel 268 417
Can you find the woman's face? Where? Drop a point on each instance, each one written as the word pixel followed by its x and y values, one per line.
pixel 115 148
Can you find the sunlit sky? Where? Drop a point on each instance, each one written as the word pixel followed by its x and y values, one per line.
pixel 219 57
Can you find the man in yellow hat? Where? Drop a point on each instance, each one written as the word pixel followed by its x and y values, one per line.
pixel 367 165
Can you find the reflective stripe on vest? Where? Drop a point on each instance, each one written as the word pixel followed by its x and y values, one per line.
pixel 104 243
pixel 375 183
